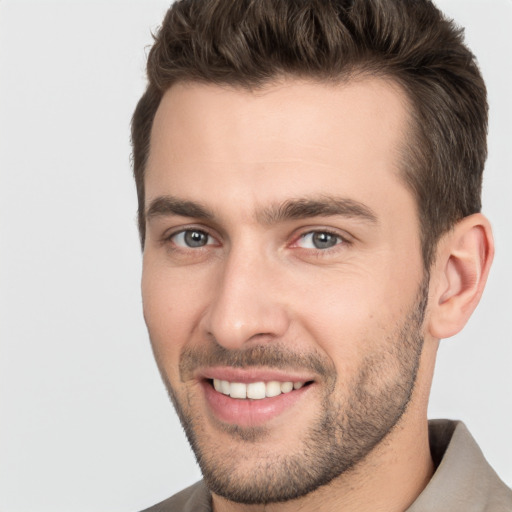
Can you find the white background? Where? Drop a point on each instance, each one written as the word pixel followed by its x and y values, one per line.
pixel 85 424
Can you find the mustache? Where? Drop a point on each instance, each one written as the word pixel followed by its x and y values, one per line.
pixel 268 355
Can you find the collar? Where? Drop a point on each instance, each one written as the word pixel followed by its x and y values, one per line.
pixel 463 480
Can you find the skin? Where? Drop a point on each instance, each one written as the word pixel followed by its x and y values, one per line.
pixel 260 282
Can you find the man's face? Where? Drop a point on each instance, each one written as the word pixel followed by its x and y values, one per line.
pixel 283 285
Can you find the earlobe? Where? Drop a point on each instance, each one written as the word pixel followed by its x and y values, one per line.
pixel 459 275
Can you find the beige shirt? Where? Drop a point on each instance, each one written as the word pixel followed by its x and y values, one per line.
pixel 462 482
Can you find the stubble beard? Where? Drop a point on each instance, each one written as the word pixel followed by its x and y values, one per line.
pixel 344 433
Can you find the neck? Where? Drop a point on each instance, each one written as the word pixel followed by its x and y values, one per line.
pixel 389 479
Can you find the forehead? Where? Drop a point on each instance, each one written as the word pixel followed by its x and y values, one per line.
pixel 283 140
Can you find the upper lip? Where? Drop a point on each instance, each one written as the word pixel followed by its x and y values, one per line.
pixel 248 375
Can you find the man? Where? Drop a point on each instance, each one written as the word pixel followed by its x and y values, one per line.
pixel 309 178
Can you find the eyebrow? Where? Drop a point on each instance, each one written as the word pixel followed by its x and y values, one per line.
pixel 168 205
pixel 292 209
pixel 323 206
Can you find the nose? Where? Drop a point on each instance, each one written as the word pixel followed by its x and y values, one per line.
pixel 246 305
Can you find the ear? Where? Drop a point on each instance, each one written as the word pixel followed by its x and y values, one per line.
pixel 459 274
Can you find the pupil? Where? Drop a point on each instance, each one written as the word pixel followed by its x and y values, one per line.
pixel 195 238
pixel 324 240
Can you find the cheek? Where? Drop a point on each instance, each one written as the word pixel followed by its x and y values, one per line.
pixel 356 316
pixel 171 309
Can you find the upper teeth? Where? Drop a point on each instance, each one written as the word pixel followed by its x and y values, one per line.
pixel 254 390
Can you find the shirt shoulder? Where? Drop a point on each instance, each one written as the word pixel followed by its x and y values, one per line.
pixel 463 481
pixel 195 498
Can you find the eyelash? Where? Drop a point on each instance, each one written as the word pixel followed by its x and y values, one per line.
pixel 342 241
pixel 167 239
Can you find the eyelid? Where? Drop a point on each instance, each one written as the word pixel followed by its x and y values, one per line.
pixel 345 238
pixel 169 234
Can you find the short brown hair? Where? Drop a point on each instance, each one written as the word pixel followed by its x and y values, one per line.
pixel 249 43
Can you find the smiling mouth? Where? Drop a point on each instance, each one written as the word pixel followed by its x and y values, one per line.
pixel 256 390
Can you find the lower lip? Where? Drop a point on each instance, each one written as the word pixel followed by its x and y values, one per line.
pixel 250 412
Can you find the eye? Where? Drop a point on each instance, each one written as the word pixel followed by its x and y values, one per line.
pixel 192 239
pixel 319 240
